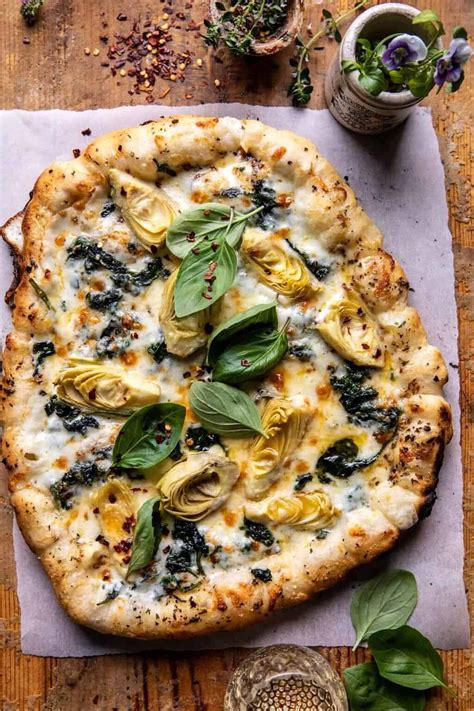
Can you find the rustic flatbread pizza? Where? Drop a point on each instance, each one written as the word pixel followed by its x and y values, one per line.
pixel 217 401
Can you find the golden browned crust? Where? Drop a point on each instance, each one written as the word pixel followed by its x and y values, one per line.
pixel 413 458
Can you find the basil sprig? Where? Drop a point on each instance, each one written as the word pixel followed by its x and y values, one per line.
pixel 147 535
pixel 148 436
pixel 383 603
pixel 213 221
pixel 260 315
pixel 366 689
pixel 254 354
pixel 405 657
pixel 204 276
pixel 224 410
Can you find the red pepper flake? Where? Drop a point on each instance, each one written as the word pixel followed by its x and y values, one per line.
pixel 190 237
pixel 196 250
pixel 207 296
pixel 92 394
pixel 76 152
pixel 187 374
pixel 128 523
pixel 245 363
pixel 96 510
pixel 212 266
pixel 112 498
pixel 215 246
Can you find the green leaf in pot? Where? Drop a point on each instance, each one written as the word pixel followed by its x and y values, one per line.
pixel 204 276
pixel 212 221
pixel 254 354
pixel 385 602
pixel 260 315
pixel 368 691
pixel 148 436
pixel 147 535
pixel 224 410
pixel 405 657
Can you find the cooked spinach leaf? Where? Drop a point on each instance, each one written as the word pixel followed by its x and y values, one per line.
pixel 114 339
pixel 96 257
pixel 103 300
pixel 199 439
pixel 158 351
pixel 263 574
pixel 302 480
pixel 340 459
pixel 80 474
pixel 72 418
pixel 193 546
pixel 111 595
pixel 107 209
pixel 258 532
pixel 358 400
pixel 42 350
pixel 319 270
pixel 264 196
pixel 301 351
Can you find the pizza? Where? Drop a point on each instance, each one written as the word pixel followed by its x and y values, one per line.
pixel 217 401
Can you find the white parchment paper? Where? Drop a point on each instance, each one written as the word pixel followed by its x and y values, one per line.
pixel 399 180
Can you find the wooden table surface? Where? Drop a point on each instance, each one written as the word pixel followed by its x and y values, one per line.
pixel 47 67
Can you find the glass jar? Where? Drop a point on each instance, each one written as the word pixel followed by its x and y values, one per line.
pixel 285 677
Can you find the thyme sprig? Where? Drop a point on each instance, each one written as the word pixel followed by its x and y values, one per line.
pixel 301 88
pixel 241 22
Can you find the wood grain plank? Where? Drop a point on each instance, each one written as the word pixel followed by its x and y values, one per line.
pixel 53 71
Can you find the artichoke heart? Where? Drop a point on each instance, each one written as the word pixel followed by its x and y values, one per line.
pixel 146 209
pixel 197 486
pixel 312 511
pixel 185 335
pixel 282 272
pixel 93 386
pixel 349 327
pixel 116 507
pixel 285 424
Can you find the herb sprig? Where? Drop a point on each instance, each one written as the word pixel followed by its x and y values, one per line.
pixel 301 88
pixel 241 22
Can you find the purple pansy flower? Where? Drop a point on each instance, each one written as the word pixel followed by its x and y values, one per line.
pixel 403 49
pixel 449 67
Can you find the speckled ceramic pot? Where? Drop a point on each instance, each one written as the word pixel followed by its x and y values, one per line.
pixel 346 98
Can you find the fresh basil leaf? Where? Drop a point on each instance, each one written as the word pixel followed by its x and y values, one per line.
pixel 147 535
pixel 204 277
pixel 405 657
pixel 254 354
pixel 224 410
pixel 212 221
pixel 260 315
pixel 383 603
pixel 148 436
pixel 368 691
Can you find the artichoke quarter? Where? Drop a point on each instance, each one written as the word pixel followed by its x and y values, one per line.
pixel 275 267
pixel 116 515
pixel 146 209
pixel 284 423
pixel 184 335
pixel 349 327
pixel 197 486
pixel 310 511
pixel 93 386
